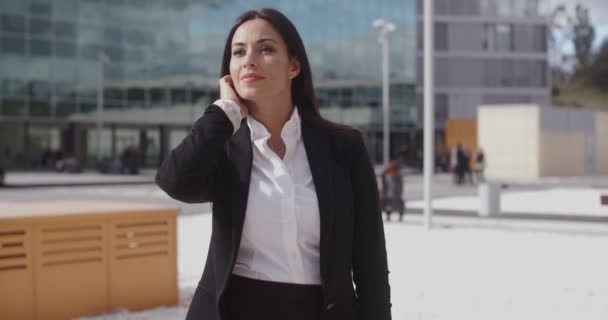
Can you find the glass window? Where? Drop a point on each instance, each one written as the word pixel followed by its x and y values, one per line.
pixel 442 7
pixel 64 29
pixel 198 94
pixel 64 70
pixel 13 107
pixel 138 37
pixel 65 108
pixel 441 36
pixel 506 73
pixel 113 71
pixel 13 23
pixel 87 71
pixel 14 6
pixel 13 88
pixel 89 34
pixel 64 90
pixel 115 3
pixel 65 9
pixel 112 35
pixel 113 93
pixel 13 45
pixel 488 7
pixel 90 12
pixel 540 36
pixel 158 96
pixel 40 89
pixel 89 51
pixel 136 94
pixel 441 106
pixel 504 8
pixel 39 68
pixel 135 55
pixel 504 37
pixel 40 47
pixel 40 27
pixel 65 49
pixel 40 108
pixel 115 54
pixel 40 8
pixel 87 106
pixel 178 96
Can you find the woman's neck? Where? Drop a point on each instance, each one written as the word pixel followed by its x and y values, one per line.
pixel 273 114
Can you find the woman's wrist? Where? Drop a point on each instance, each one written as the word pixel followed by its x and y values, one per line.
pixel 232 110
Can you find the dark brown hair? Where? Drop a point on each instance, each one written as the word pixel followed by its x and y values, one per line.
pixel 302 91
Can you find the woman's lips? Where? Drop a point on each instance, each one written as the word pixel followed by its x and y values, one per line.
pixel 251 78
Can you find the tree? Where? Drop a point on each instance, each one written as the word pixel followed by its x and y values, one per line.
pixel 583 34
pixel 576 28
pixel 598 72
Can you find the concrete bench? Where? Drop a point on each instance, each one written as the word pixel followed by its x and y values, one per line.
pixel 60 260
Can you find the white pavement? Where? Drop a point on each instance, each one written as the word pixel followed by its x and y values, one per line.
pixel 465 268
pixel 555 201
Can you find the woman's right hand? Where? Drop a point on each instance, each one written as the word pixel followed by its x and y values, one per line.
pixel 227 91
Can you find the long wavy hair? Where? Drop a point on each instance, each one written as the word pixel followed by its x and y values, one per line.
pixel 302 90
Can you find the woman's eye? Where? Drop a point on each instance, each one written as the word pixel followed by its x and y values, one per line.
pixel 237 52
pixel 267 49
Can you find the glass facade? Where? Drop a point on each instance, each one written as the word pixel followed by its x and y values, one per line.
pixel 165 55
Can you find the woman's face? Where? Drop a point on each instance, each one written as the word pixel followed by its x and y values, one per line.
pixel 260 65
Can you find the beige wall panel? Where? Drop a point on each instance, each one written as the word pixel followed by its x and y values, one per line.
pixel 509 135
pixel 562 154
pixel 601 143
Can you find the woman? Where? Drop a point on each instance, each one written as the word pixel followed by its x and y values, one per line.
pixel 392 189
pixel 296 215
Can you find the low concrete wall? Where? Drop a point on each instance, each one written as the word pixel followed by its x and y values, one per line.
pixel 562 154
pixel 601 143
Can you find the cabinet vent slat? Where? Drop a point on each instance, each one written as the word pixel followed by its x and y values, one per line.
pixel 142 255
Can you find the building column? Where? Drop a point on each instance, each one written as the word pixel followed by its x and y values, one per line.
pixel 76 139
pixel 113 133
pixel 26 146
pixel 143 146
pixel 163 133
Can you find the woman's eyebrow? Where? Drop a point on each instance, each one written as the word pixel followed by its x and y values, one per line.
pixel 237 44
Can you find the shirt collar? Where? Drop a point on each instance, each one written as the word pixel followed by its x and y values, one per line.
pixel 291 130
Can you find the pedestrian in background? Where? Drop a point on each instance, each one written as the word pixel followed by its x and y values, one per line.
pixel 461 164
pixel 392 190
pixel 480 166
pixel 468 171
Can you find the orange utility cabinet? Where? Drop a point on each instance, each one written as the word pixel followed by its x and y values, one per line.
pixel 64 259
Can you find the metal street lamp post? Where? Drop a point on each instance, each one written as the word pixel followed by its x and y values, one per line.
pixel 384 27
pixel 102 59
pixel 429 112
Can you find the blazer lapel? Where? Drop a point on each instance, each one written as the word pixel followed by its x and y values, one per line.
pixel 241 156
pixel 320 161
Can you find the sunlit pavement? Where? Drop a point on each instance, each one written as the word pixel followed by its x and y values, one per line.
pixel 463 268
pixel 466 267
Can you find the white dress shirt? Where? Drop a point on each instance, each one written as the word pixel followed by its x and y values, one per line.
pixel 281 233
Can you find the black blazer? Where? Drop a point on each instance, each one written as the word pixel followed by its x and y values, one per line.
pixel 212 164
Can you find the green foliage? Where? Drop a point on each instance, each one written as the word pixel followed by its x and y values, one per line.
pixel 598 71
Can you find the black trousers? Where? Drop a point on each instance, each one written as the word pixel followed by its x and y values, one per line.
pixel 250 299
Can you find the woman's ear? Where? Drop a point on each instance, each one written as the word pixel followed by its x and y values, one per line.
pixel 294 67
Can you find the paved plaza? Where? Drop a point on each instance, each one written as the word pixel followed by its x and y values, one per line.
pixel 462 269
pixel 465 267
